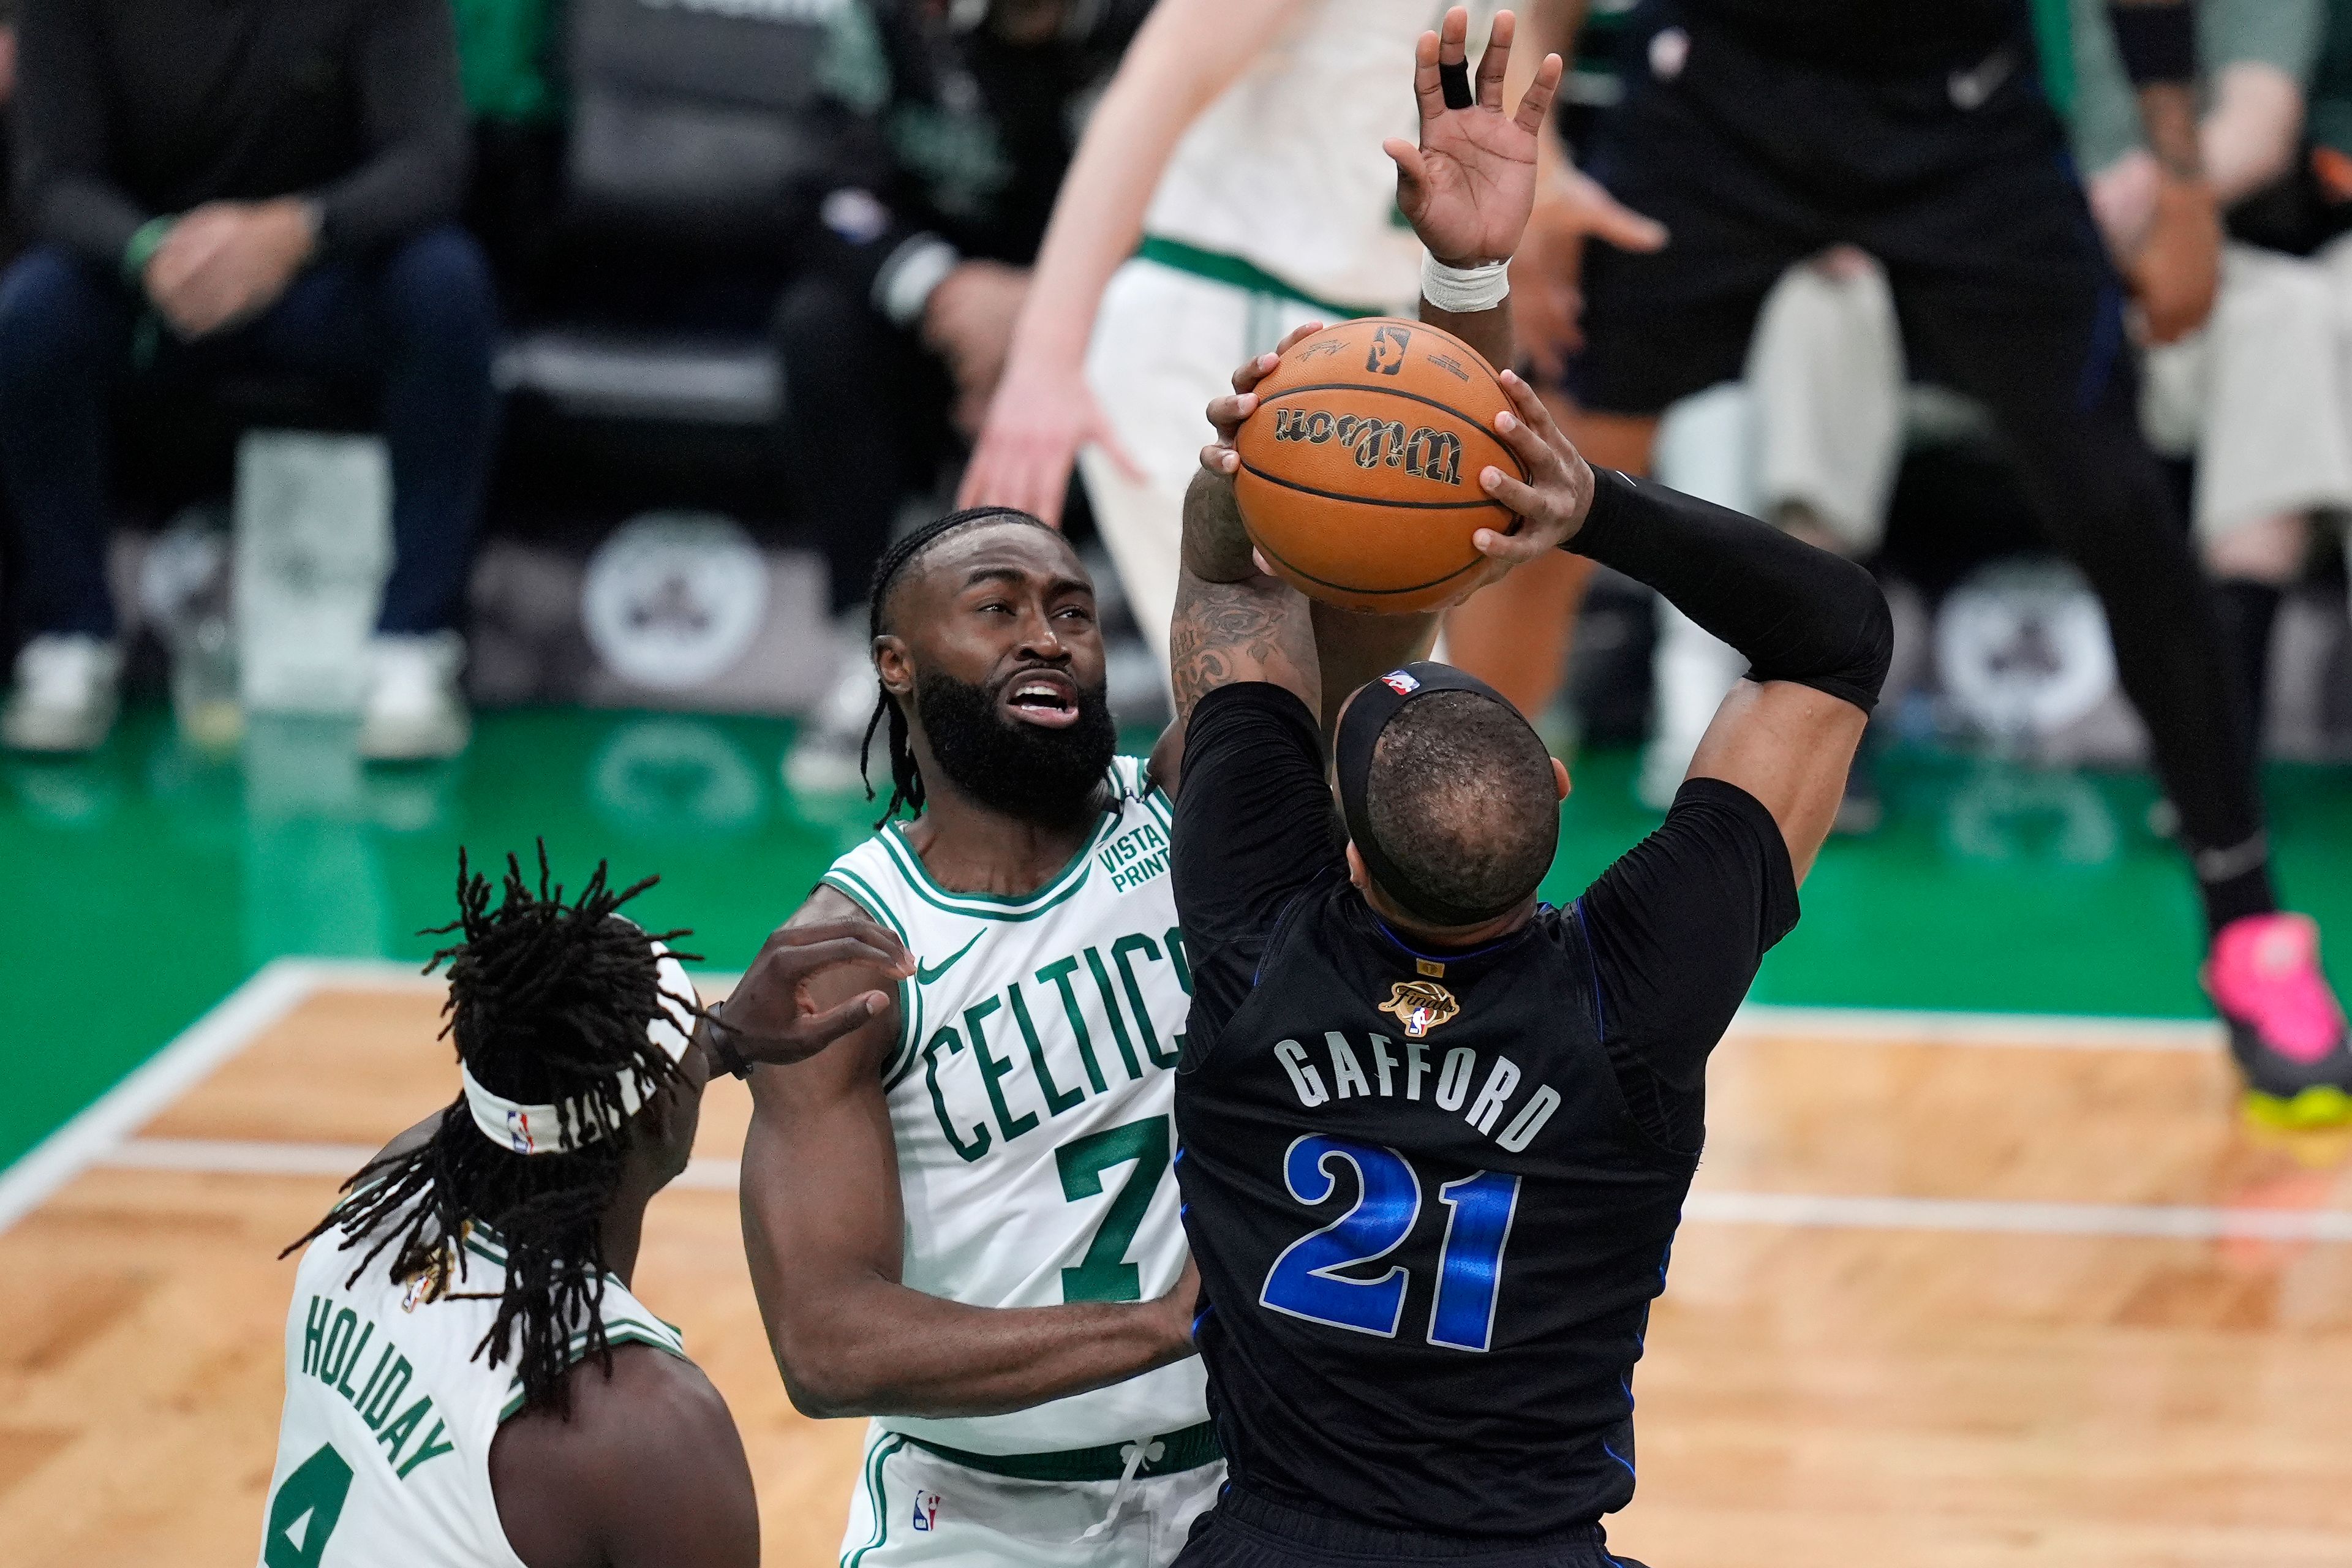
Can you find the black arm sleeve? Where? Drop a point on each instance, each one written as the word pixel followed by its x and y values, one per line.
pixel 1676 929
pixel 1796 613
pixel 62 135
pixel 1255 825
pixel 413 125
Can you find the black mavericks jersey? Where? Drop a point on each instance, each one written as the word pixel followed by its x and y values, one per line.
pixel 1432 1194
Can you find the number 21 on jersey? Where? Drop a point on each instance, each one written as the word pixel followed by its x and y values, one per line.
pixel 1305 1280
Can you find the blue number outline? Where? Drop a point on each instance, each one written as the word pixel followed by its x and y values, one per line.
pixel 1454 1273
pixel 1392 1284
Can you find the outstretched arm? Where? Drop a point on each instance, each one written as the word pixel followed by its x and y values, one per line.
pixel 1466 187
pixel 823 1231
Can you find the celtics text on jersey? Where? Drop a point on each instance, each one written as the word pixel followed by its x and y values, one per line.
pixel 1030 1093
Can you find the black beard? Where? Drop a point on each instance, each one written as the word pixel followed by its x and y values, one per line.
pixel 1023 771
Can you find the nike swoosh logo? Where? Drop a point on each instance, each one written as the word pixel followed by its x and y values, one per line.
pixel 925 972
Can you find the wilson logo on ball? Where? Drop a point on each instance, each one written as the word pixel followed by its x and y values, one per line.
pixel 1430 454
pixel 1358 476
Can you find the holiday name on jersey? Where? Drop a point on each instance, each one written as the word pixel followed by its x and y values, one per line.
pixel 333 1343
pixel 1028 1011
pixel 1403 1073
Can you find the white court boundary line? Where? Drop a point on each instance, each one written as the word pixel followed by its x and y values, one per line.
pixel 102 1132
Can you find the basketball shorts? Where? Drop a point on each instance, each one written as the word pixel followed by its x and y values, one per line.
pixel 1165 342
pixel 913 1506
pixel 1957 181
pixel 1248 1531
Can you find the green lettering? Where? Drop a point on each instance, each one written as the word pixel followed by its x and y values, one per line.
pixel 314 1332
pixel 343 1378
pixel 382 1359
pixel 1057 1100
pixel 992 1070
pixel 1110 1011
pixel 395 1437
pixel 1104 1274
pixel 331 1365
pixel 309 1499
pixel 954 1043
pixel 1059 972
pixel 1176 955
pixel 429 1451
pixel 1139 943
pixel 394 1385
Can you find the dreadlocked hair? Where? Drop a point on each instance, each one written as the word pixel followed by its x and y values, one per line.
pixel 906 778
pixel 550 1002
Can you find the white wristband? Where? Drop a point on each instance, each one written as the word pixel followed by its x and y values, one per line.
pixel 1464 290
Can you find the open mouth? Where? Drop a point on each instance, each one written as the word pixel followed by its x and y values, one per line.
pixel 1046 699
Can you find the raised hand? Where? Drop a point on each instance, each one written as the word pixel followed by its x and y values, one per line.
pixel 1037 421
pixel 1468 187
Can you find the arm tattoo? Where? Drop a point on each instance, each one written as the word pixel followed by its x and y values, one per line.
pixel 1253 630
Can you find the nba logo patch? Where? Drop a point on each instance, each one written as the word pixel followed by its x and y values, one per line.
pixel 519 1131
pixel 1397 681
pixel 926 1511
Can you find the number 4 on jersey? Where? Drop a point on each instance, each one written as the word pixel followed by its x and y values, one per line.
pixel 1306 1281
pixel 303 1514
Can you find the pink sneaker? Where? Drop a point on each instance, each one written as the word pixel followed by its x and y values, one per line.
pixel 2286 1029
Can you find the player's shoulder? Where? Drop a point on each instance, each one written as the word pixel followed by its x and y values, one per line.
pixel 646 1436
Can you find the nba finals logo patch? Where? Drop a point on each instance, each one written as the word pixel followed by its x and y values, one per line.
pixel 1387 355
pixel 1420 1005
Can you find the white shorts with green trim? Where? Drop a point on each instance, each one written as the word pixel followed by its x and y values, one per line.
pixel 1166 341
pixel 914 1506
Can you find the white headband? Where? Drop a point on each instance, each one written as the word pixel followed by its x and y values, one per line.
pixel 541 1129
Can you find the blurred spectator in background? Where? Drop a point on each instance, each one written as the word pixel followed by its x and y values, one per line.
pixel 893 341
pixel 2258 396
pixel 221 185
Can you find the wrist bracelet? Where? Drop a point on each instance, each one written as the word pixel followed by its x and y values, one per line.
pixel 1464 290
pixel 724 1057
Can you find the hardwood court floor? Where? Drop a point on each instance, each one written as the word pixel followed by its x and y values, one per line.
pixel 1935 1304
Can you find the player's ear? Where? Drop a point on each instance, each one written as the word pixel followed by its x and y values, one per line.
pixel 1356 872
pixel 1558 778
pixel 893 664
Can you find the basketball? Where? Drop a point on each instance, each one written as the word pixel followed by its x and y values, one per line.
pixel 1359 481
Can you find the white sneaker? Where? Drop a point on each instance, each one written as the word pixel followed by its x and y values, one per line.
pixel 68 688
pixel 823 761
pixel 414 711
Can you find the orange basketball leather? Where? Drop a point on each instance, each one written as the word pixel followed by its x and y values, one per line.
pixel 1360 467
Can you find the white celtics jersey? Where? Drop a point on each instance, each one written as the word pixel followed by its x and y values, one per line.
pixel 1285 169
pixel 384 1451
pixel 1030 1092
